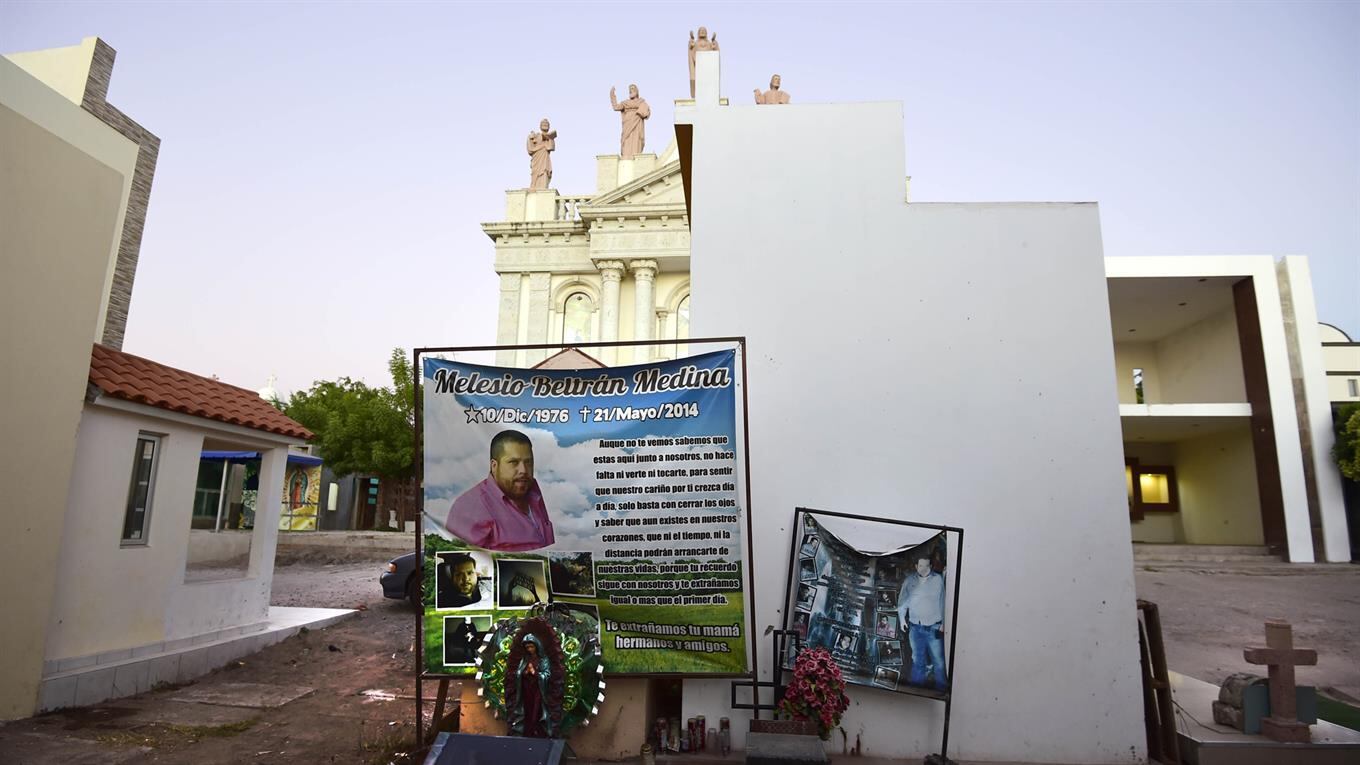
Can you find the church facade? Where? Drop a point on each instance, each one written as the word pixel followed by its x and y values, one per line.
pixel 608 266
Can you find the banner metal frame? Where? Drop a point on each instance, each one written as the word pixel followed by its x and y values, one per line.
pixel 946 696
pixel 418 458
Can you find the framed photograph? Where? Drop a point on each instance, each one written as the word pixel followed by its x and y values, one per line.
pixel 800 623
pixel 463 638
pixel 846 641
pixel 890 652
pixel 886 677
pixel 810 544
pixel 807 570
pixel 885 625
pixel 806 595
pixel 885 599
pixel 520 583
pixel 572 573
pixel 463 579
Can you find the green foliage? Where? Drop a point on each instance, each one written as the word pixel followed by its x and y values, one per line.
pixel 1346 451
pixel 359 428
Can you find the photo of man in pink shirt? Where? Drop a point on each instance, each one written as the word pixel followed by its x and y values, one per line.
pixel 505 510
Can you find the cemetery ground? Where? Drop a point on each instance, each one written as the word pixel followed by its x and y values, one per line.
pixel 345 694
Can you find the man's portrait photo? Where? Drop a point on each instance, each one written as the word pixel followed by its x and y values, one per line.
pixel 504 511
pixel 463 637
pixel 462 580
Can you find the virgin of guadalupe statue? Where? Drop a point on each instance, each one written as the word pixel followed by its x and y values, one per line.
pixel 534 684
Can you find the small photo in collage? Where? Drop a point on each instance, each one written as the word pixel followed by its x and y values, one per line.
pixel 886 677
pixel 462 639
pixel 520 583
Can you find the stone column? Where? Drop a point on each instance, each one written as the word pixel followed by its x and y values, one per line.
pixel 611 272
pixel 644 308
pixel 663 319
pixel 507 325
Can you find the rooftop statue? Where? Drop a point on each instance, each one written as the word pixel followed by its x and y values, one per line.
pixel 702 43
pixel 540 164
pixel 774 95
pixel 634 113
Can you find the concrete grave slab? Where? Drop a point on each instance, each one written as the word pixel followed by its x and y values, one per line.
pixel 256 695
pixel 195 714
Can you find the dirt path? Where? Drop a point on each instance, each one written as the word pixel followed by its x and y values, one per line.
pixel 1208 618
pixel 334 723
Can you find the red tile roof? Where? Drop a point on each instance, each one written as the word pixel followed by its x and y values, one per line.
pixel 122 375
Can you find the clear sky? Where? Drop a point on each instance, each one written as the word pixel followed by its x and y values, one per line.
pixel 324 167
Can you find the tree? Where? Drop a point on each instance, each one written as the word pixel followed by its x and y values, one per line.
pixel 1346 450
pixel 359 428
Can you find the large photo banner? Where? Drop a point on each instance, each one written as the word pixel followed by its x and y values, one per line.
pixel 612 491
pixel 881 615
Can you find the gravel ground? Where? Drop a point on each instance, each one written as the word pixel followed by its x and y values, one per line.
pixel 329 585
pixel 1207 619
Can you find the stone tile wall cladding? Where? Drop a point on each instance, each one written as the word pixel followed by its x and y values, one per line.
pixel 125 271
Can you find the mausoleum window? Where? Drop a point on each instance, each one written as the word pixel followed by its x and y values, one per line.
pixel 136 520
pixel 682 320
pixel 576 318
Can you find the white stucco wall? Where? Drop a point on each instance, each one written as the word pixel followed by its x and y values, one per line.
pixel 64 182
pixel 113 597
pixel 869 393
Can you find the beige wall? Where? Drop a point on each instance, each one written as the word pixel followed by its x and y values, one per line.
pixel 1156 528
pixel 1341 358
pixel 1201 364
pixel 1220 502
pixel 64 181
pixel 1131 356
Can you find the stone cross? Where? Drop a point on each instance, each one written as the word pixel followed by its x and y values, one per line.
pixel 1280 655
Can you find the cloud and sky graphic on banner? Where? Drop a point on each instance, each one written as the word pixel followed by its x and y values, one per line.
pixel 457 457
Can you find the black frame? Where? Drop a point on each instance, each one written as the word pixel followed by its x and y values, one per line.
pixel 946 696
pixel 419 464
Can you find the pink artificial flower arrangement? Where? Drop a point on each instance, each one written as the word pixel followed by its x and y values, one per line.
pixel 817 692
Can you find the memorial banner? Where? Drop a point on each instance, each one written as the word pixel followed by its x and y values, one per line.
pixel 882 616
pixel 611 490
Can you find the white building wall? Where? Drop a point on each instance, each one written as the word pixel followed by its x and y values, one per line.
pixel 1314 409
pixel 870 399
pixel 1261 269
pixel 112 597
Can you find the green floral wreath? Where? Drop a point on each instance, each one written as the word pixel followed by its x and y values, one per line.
pixel 583 685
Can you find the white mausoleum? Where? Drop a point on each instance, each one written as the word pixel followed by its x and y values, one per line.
pixel 1203 375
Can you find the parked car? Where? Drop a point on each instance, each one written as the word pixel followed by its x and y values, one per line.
pixel 401 579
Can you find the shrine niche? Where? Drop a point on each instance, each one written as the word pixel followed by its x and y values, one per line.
pixel 543 673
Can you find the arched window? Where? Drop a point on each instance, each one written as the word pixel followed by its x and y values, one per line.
pixel 682 320
pixel 576 318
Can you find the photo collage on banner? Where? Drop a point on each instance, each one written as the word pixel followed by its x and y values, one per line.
pixel 613 491
pixel 882 617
